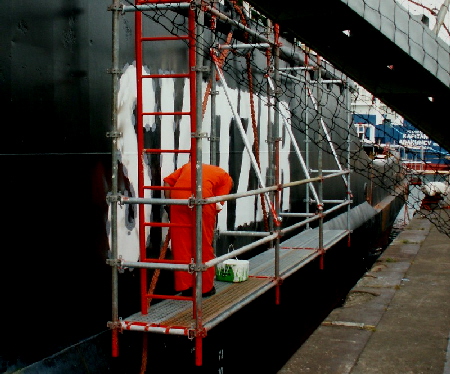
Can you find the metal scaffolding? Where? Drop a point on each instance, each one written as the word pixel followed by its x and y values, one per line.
pixel 194 316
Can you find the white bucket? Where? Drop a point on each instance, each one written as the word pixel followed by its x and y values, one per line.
pixel 232 271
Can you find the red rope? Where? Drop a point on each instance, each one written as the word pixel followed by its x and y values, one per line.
pixel 423 6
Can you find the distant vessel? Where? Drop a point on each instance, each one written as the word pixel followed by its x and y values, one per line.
pixel 379 127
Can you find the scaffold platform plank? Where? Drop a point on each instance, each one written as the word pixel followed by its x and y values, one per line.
pixel 176 316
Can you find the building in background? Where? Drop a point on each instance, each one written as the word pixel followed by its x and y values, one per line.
pixel 379 126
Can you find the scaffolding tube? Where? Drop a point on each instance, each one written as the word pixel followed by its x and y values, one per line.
pixel 152 200
pixel 217 199
pixel 337 207
pixel 296 68
pixel 268 238
pixel 240 251
pixel 243 233
pixel 276 146
pixel 330 201
pixel 270 105
pixel 114 325
pixel 154 7
pixel 309 93
pixel 155 329
pixel 312 82
pixel 325 170
pixel 349 122
pixel 307 140
pixel 318 107
pixel 243 136
pixel 236 24
pixel 297 214
pixel 196 127
pixel 441 16
pixel 243 46
pixel 154 265
pixel 299 224
pixel 296 148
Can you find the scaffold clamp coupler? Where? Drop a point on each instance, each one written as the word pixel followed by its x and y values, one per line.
pixel 116 7
pixel 113 134
pixel 113 199
pixel 200 68
pixel 196 333
pixel 115 325
pixel 113 71
pixel 193 267
pixel 201 333
pixel 114 261
pixel 199 135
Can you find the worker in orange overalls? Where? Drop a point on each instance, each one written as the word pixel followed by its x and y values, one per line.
pixel 216 182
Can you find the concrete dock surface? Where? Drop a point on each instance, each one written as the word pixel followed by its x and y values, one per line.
pixel 396 320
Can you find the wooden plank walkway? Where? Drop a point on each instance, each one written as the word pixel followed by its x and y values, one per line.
pixel 176 316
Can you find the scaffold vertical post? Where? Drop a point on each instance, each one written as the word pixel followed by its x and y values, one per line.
pixel 140 142
pixel 270 136
pixel 320 159
pixel 349 143
pixel 276 134
pixel 214 134
pixel 195 29
pixel 114 186
pixel 307 141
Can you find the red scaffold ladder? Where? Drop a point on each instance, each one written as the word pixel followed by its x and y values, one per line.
pixel 141 40
pixel 142 114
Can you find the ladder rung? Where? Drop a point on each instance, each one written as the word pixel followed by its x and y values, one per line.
pixel 158 38
pixel 162 2
pixel 167 188
pixel 153 150
pixel 180 75
pixel 145 6
pixel 160 224
pixel 166 113
pixel 165 261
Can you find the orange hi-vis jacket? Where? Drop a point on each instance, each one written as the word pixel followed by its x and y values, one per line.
pixel 215 182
